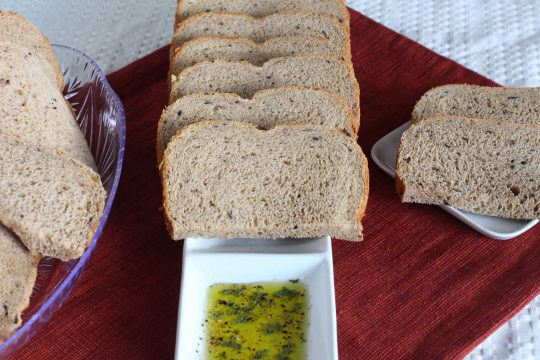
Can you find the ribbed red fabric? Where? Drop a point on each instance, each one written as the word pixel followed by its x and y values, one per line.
pixel 421 286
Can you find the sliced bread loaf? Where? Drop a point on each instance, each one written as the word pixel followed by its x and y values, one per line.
pixel 53 203
pixel 17 30
pixel 187 8
pixel 32 107
pixel 262 29
pixel 18 271
pixel 514 105
pixel 246 79
pixel 210 48
pixel 267 109
pixel 230 180
pixel 475 165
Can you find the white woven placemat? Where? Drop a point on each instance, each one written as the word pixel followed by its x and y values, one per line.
pixel 499 39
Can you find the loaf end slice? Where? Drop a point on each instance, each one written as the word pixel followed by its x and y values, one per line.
pixel 512 105
pixel 231 180
pixel 18 271
pixel 267 109
pixel 18 30
pixel 52 203
pixel 474 165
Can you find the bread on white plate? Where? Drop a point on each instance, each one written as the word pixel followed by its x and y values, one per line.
pixel 480 166
pixel 512 105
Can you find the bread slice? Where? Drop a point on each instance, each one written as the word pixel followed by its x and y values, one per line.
pixel 262 29
pixel 475 165
pixel 267 109
pixel 18 30
pixel 53 203
pixel 187 8
pixel 230 180
pixel 514 105
pixel 18 271
pixel 210 48
pixel 246 79
pixel 32 108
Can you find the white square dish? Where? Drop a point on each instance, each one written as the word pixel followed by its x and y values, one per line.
pixel 384 153
pixel 210 261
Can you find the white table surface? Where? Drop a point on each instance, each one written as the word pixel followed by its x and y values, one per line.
pixel 498 39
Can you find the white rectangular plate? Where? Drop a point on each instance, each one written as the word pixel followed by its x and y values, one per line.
pixel 384 153
pixel 210 261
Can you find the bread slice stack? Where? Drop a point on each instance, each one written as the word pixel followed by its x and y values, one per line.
pixel 475 148
pixel 259 138
pixel 51 198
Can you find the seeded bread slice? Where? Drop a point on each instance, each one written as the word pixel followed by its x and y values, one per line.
pixel 246 79
pixel 267 109
pixel 514 105
pixel 53 203
pixel 230 180
pixel 480 166
pixel 18 271
pixel 262 29
pixel 32 108
pixel 18 30
pixel 187 8
pixel 210 48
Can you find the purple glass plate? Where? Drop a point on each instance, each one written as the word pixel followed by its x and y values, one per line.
pixel 100 115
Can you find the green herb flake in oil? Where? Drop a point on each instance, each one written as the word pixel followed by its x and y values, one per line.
pixel 256 321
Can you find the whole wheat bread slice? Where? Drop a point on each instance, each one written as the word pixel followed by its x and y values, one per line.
pixel 18 271
pixel 53 203
pixel 246 79
pixel 262 29
pixel 480 166
pixel 230 180
pixel 514 105
pixel 187 8
pixel 18 30
pixel 32 108
pixel 210 48
pixel 267 109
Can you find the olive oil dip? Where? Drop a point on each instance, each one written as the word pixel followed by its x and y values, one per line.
pixel 256 321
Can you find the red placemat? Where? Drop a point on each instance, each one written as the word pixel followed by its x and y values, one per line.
pixel 421 286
